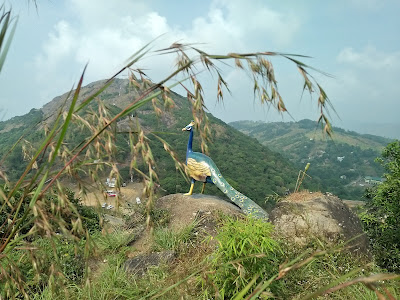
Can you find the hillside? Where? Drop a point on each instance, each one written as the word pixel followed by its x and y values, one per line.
pixel 198 246
pixel 249 166
pixel 339 165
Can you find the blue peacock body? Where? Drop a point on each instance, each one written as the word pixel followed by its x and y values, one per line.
pixel 202 168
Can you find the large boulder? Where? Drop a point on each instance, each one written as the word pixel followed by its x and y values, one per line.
pixel 183 210
pixel 304 216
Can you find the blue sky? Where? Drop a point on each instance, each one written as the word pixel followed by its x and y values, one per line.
pixel 356 41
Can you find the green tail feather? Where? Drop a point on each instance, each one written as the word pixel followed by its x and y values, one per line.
pixel 248 206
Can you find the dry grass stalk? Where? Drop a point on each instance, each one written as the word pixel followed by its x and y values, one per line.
pixel 54 158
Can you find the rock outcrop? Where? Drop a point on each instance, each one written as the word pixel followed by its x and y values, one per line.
pixel 304 216
pixel 184 210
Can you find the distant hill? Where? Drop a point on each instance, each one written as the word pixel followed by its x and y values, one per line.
pixel 249 166
pixel 390 130
pixel 338 165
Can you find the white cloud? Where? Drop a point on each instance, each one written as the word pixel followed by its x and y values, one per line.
pixel 104 47
pixel 105 33
pixel 60 44
pixel 240 26
pixel 366 86
pixel 367 4
pixel 370 58
pixel 93 14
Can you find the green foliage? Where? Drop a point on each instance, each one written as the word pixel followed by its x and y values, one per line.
pixel 160 217
pixel 90 218
pixel 112 283
pixel 7 30
pixel 11 132
pixel 249 166
pixel 42 262
pixel 245 249
pixel 335 268
pixel 115 283
pixel 111 243
pixel 32 256
pixel 8 209
pixel 167 239
pixel 382 215
pixel 302 142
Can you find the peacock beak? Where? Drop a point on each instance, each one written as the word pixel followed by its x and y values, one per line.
pixel 184 129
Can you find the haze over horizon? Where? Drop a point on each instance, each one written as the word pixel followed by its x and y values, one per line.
pixel 355 41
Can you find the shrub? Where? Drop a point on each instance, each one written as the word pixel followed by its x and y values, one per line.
pixel 52 205
pixel 245 249
pixel 382 214
pixel 90 218
pixel 45 259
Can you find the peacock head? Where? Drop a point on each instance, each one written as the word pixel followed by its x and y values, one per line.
pixel 188 127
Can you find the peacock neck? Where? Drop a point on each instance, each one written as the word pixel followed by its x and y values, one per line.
pixel 189 145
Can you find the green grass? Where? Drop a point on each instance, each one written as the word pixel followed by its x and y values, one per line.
pixel 167 239
pixel 245 254
pixel 245 249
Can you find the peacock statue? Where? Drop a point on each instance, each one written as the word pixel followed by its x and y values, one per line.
pixel 202 168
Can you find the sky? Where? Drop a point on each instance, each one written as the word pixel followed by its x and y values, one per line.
pixel 355 41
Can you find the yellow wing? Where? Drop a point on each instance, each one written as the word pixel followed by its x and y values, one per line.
pixel 198 170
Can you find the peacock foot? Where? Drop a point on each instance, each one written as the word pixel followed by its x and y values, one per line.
pixel 190 191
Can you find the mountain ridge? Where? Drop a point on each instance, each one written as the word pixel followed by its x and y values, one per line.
pixel 340 164
pixel 248 166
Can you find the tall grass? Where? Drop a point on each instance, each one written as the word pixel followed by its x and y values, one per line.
pixel 168 239
pixel 245 249
pixel 39 215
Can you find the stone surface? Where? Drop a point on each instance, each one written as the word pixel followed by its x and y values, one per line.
pixel 184 210
pixel 304 216
pixel 140 264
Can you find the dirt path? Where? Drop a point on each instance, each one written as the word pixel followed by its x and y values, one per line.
pixel 128 194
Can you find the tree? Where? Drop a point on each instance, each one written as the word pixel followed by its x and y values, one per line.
pixel 382 216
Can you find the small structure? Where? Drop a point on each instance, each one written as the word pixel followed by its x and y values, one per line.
pixel 111 182
pixel 343 177
pixel 373 180
pixel 111 193
pixel 340 158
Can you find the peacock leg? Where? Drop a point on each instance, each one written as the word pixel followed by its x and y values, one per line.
pixel 203 188
pixel 191 189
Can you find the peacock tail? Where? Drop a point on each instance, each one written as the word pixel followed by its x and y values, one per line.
pixel 248 206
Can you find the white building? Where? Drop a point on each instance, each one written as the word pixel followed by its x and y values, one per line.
pixel 111 182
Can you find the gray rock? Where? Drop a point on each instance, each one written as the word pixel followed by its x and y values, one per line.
pixel 184 209
pixel 140 264
pixel 319 216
